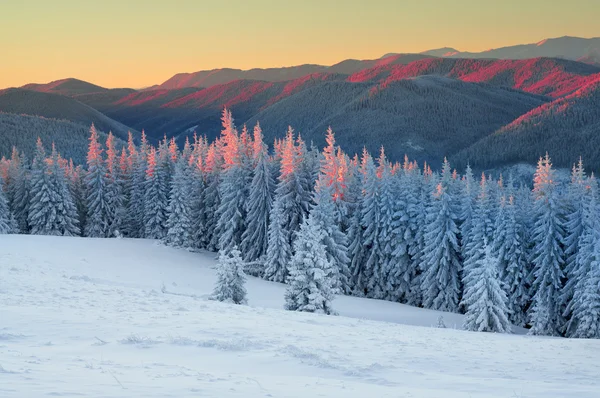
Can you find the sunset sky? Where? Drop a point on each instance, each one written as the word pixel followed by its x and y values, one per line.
pixel 137 43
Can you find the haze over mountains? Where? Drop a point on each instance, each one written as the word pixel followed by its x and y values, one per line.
pixel 512 103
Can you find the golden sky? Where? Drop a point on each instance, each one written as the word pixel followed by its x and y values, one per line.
pixel 137 43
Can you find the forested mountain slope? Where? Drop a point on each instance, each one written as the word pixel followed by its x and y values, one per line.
pixel 567 127
pixel 427 117
pixel 544 76
pixel 54 106
pixel 21 131
pixel 69 87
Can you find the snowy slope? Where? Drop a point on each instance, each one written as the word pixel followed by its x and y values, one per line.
pixel 92 318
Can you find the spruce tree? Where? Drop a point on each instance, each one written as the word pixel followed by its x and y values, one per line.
pixel 230 278
pixel 136 211
pixel 334 240
pixel 484 298
pixel 310 286
pixel 578 194
pixel 441 279
pixel 584 306
pixel 179 223
pixel 255 237
pixel 99 215
pixel 231 213
pixel 548 256
pixel 369 272
pixel 211 193
pixel 290 207
pixel 66 217
pixel 510 247
pixel 155 199
pixel 114 189
pixel 17 191
pixel 7 222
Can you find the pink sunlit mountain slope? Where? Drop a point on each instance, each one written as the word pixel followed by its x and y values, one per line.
pixel 545 76
pixel 567 127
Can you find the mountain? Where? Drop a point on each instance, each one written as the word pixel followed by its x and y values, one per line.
pixel 174 111
pixel 69 87
pixel 55 106
pixel 209 78
pixel 544 76
pixel 567 47
pixel 566 128
pixel 21 131
pixel 426 117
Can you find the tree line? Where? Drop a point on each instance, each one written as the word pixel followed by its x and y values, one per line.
pixel 325 223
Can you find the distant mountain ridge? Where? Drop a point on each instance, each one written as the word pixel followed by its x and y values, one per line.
pixel 54 106
pixel 427 105
pixel 568 47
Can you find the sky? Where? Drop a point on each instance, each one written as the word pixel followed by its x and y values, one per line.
pixel 138 43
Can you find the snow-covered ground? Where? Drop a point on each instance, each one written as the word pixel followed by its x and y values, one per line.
pixel 130 318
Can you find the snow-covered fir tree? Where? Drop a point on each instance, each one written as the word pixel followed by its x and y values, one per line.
pixel 8 224
pixel 441 279
pixel 67 216
pixel 584 306
pixel 51 208
pixel 290 207
pixel 233 190
pixel 548 255
pixel 17 191
pixel 156 199
pixel 179 223
pixel 114 189
pixel 578 194
pixel 509 246
pixel 334 240
pixel 366 273
pixel 99 216
pixel 136 211
pixel 200 237
pixel 481 229
pixel 211 193
pixel 310 286
pixel 484 298
pixel 260 201
pixel 230 285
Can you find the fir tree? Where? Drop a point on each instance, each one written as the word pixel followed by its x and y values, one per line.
pixel 484 298
pixel 510 247
pixel 7 222
pixel 367 275
pixel 584 306
pixel 114 189
pixel 548 260
pixel 255 237
pixel 155 200
pixel 310 286
pixel 230 278
pixel 441 280
pixel 136 211
pixel 179 223
pixel 99 213
pixel 17 191
pixel 290 207
pixel 66 217
pixel 334 240
pixel 577 195
pixel 231 213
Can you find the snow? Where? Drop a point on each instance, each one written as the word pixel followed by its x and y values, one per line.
pixel 130 318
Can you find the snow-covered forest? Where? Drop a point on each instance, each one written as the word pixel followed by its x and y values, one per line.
pixel 325 222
